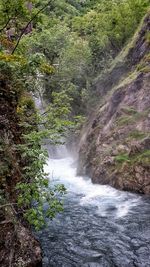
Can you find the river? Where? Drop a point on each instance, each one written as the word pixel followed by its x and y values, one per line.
pixel 100 226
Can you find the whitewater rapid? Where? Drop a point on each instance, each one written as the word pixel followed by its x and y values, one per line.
pixel 100 226
pixel 101 196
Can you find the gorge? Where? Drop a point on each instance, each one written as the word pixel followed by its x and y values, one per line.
pixel 75 133
pixel 102 226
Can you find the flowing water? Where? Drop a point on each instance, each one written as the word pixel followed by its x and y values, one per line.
pixel 100 226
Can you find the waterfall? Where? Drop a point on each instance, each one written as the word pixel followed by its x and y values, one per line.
pixel 57 151
pixel 54 151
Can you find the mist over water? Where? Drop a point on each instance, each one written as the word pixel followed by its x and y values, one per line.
pixel 100 226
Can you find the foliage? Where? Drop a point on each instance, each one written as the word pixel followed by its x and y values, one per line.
pixel 137 135
pixel 132 116
pixel 125 120
pixel 122 158
pixel 77 39
pixel 68 54
pixel 108 25
pixel 35 189
pixel 15 10
pixel 54 49
pixel 141 157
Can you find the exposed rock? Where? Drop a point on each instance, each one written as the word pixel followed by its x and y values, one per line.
pixel 116 143
pixel 18 247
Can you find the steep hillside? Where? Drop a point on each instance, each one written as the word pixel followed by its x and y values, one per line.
pixel 17 245
pixel 115 143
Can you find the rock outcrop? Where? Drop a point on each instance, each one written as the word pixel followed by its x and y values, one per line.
pixel 18 246
pixel 115 143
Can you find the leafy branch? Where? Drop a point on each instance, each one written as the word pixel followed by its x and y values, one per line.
pixel 27 25
pixel 6 24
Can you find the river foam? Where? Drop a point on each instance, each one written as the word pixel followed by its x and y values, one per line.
pixel 100 226
pixel 103 197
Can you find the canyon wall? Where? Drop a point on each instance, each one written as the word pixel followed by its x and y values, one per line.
pixel 115 142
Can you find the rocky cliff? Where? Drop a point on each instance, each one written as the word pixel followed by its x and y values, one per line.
pixel 115 143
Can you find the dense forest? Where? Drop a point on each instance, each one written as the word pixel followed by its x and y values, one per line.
pixel 54 52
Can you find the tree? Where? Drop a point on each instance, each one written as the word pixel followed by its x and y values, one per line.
pixel 58 46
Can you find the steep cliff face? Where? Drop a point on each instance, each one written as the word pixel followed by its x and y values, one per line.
pixel 18 247
pixel 115 143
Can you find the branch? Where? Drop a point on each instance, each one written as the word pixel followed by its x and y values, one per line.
pixel 11 256
pixel 6 222
pixel 23 31
pixel 8 204
pixel 5 24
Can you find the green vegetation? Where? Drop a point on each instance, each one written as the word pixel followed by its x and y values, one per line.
pixel 129 110
pixel 148 37
pixel 143 66
pixel 53 49
pixel 122 158
pixel 142 157
pixel 125 120
pixel 108 25
pixel 137 135
pixel 132 117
